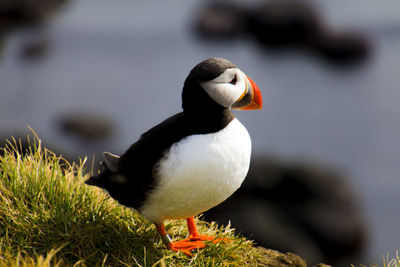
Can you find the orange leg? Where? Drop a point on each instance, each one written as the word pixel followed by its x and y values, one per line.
pixel 194 240
pixel 193 234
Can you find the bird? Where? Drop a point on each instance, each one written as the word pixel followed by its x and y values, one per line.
pixel 193 160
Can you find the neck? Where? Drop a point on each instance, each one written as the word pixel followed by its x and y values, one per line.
pixel 206 121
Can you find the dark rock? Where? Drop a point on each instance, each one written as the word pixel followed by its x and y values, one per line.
pixel 17 12
pixel 322 265
pixel 281 24
pixel 284 22
pixel 35 47
pixel 273 258
pixel 86 126
pixel 343 48
pixel 21 13
pixel 302 208
pixel 221 20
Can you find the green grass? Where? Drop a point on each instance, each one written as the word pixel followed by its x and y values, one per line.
pixel 391 262
pixel 49 217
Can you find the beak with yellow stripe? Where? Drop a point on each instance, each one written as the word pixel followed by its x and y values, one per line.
pixel 251 97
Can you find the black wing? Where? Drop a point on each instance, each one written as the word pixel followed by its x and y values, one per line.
pixel 137 164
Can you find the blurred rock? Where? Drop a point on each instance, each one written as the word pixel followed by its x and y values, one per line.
pixel 221 20
pixel 284 22
pixel 273 258
pixel 301 208
pixel 86 126
pixel 322 265
pixel 343 48
pixel 18 13
pixel 35 46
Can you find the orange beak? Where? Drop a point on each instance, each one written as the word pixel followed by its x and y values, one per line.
pixel 251 97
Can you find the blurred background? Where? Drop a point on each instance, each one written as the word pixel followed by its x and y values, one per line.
pixel 91 76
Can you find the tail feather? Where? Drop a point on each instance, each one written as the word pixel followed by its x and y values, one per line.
pixel 99 180
pixel 109 174
pixel 111 161
pixel 91 181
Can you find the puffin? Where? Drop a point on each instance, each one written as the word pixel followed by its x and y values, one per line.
pixel 193 160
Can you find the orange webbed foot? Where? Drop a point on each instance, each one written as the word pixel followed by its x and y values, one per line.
pixel 186 246
pixel 194 240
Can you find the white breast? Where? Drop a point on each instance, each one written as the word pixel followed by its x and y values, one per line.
pixel 198 173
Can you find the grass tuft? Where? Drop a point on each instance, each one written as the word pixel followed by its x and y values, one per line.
pixel 387 261
pixel 49 217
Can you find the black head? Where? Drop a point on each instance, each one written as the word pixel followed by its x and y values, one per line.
pixel 210 69
pixel 216 84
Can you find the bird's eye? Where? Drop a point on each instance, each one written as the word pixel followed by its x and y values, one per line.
pixel 234 80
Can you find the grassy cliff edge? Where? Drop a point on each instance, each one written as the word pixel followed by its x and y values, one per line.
pixel 49 217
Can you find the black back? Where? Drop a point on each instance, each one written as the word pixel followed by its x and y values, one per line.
pixel 201 115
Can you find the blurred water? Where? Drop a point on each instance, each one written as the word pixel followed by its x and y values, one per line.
pixel 129 60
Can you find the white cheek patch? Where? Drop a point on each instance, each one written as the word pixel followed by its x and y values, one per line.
pixel 222 91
